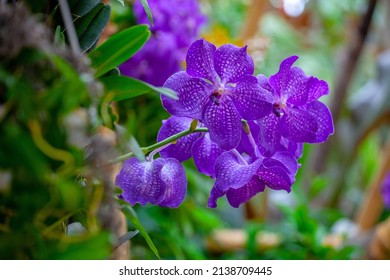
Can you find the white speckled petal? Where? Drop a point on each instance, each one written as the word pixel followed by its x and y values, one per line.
pixel 295 87
pixel 233 174
pixel 238 196
pixel 140 182
pixel 173 176
pixel 299 125
pixel 270 133
pixel 324 120
pixel 224 123
pixel 288 160
pixel 251 100
pixel 200 60
pixel 232 63
pixel 278 80
pixel 316 88
pixel 181 150
pixel 205 152
pixel 192 93
pixel 275 178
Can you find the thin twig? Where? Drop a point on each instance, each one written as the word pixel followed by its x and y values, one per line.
pixel 372 205
pixel 70 30
pixel 150 148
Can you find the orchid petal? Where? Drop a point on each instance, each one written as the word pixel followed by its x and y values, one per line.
pixel 231 173
pixel 215 194
pixel 223 122
pixel 299 125
pixel 140 182
pixel 324 120
pixel 232 63
pixel 275 178
pixel 238 196
pixel 270 133
pixel 173 176
pixel 200 60
pixel 192 93
pixel 295 88
pixel 278 80
pixel 205 152
pixel 316 88
pixel 181 150
pixel 252 101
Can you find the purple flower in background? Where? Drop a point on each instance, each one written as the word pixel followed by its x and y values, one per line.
pixel 182 18
pixel 386 191
pixel 177 23
pixel 155 62
pixel 161 182
pixel 219 90
pixel 296 114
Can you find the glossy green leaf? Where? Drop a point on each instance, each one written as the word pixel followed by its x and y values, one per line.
pixel 132 216
pixel 59 38
pixel 136 149
pixel 119 48
pixel 90 27
pixel 126 88
pixel 122 2
pixel 147 11
pixel 80 8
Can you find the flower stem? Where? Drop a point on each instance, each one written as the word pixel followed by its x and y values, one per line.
pixel 250 137
pixel 239 157
pixel 166 141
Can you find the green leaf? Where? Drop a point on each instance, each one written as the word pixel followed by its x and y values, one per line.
pixel 122 2
pixel 119 48
pixel 136 149
pixel 126 88
pixel 132 216
pixel 80 8
pixel 147 11
pixel 90 27
pixel 59 38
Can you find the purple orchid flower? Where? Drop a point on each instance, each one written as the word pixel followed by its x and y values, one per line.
pixel 296 114
pixel 219 90
pixel 198 145
pixel 386 191
pixel 161 182
pixel 240 180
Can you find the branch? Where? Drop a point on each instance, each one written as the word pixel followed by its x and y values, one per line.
pixel 69 27
pixel 150 148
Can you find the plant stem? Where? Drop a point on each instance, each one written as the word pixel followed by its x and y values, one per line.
pixel 150 148
pixel 239 157
pixel 69 27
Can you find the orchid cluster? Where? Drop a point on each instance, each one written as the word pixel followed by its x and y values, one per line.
pixel 176 25
pixel 253 132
